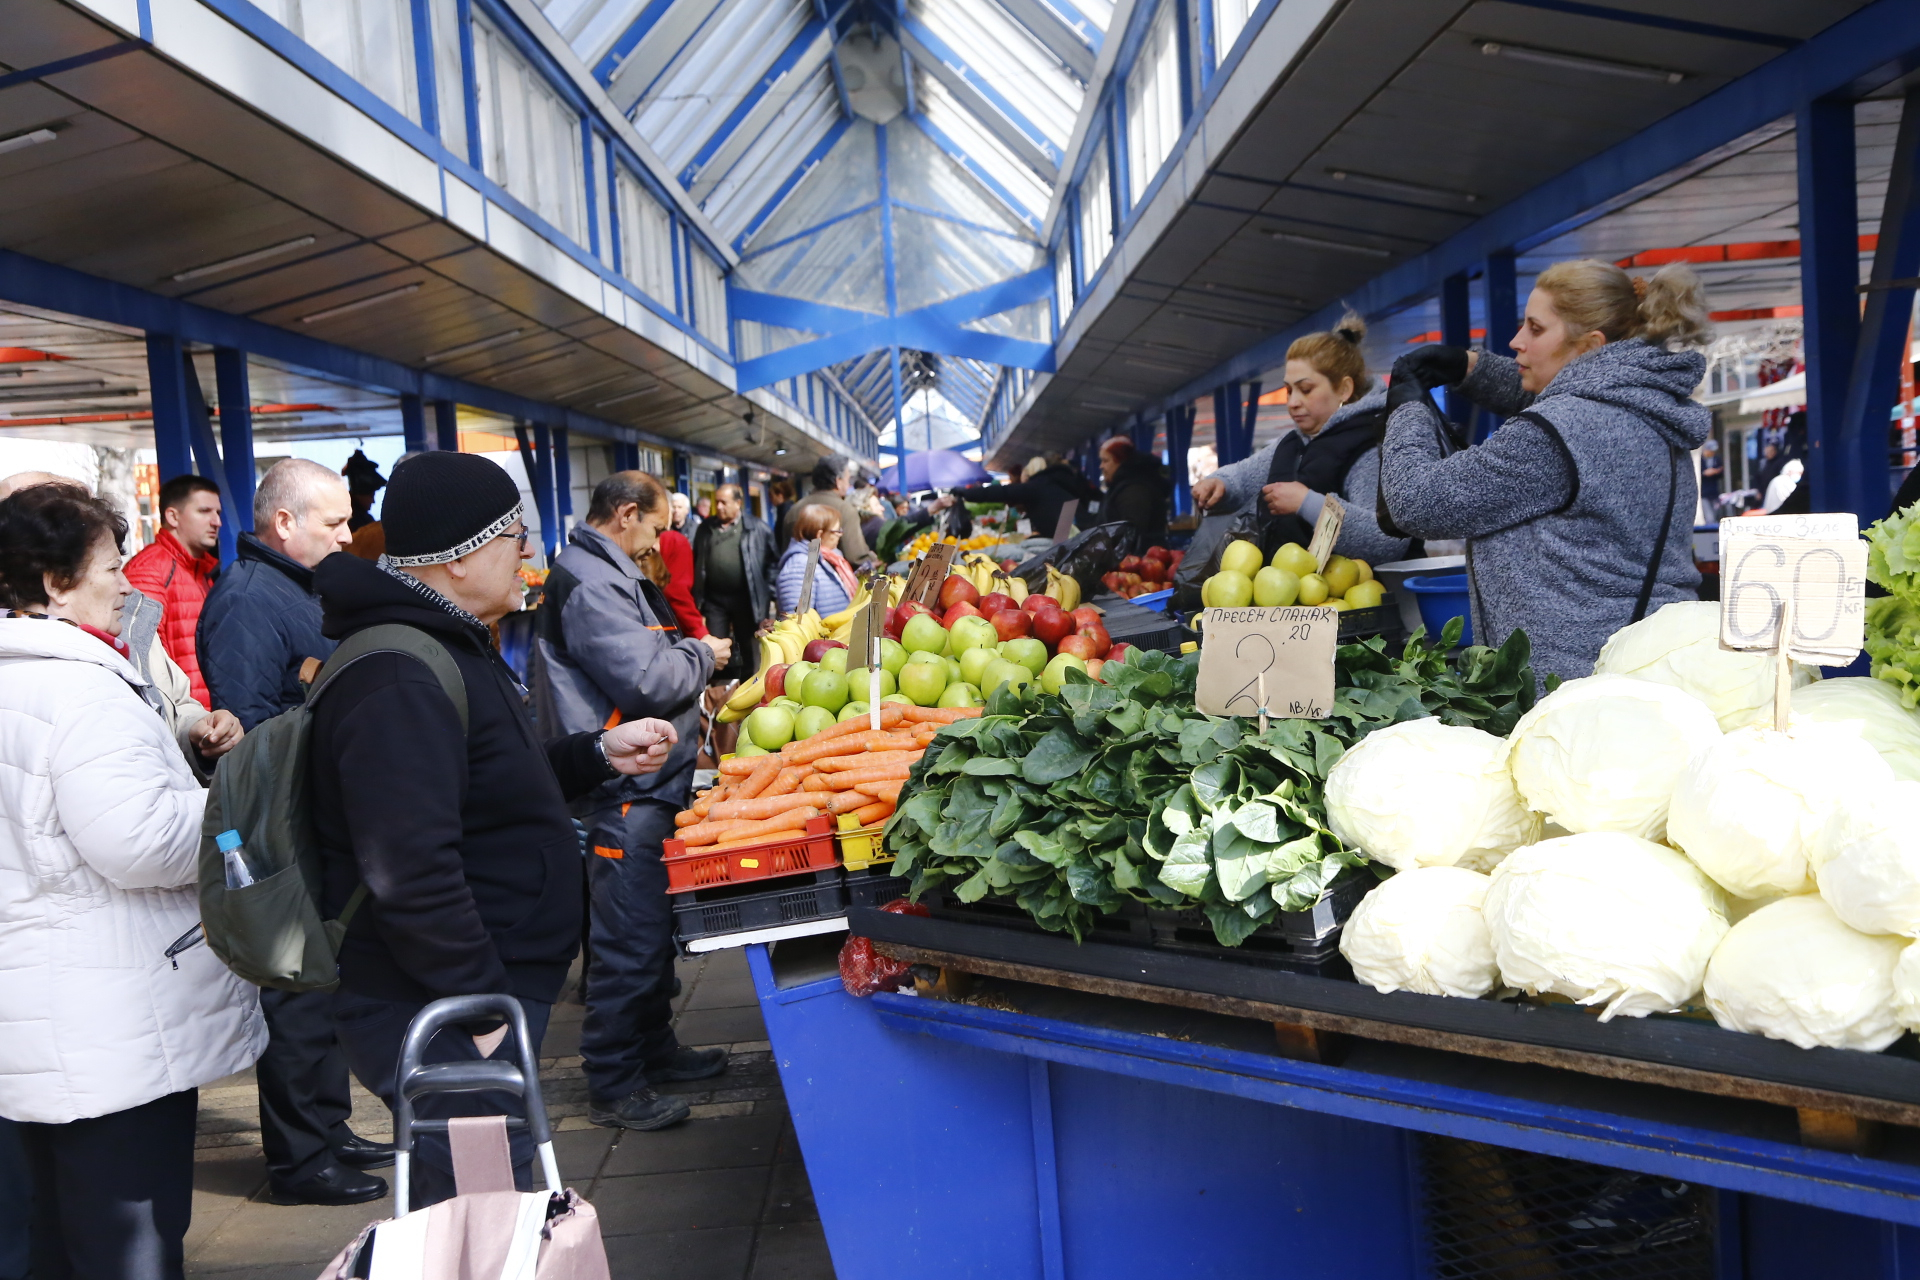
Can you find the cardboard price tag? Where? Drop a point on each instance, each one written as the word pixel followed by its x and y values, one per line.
pixel 1285 654
pixel 923 584
pixel 1326 531
pixel 1817 563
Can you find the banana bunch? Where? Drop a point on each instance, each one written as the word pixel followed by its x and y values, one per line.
pixel 788 640
pixel 987 577
pixel 1064 588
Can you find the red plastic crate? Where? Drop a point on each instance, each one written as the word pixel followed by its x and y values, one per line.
pixel 813 850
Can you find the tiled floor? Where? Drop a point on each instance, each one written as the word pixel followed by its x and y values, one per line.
pixel 721 1197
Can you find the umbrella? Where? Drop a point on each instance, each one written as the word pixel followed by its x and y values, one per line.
pixel 938 469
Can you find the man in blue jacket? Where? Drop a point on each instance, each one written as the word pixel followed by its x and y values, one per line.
pixel 258 629
pixel 606 652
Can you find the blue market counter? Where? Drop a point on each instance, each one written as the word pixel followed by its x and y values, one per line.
pixel 1030 1131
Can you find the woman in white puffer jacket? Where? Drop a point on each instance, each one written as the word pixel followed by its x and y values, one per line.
pixel 104 1036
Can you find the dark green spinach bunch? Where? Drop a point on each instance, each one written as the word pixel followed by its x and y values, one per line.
pixel 1481 688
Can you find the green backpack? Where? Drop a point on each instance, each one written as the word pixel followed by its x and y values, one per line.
pixel 270 931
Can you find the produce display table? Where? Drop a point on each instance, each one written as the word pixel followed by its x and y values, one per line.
pixel 1005 1128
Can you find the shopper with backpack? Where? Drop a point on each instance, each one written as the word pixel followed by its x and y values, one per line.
pixel 459 832
pixel 111 1023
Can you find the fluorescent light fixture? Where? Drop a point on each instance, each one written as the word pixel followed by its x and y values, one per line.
pixel 468 348
pixel 630 395
pixel 565 353
pixel 55 390
pixel 1338 246
pixel 357 304
pixel 31 138
pixel 271 251
pixel 1400 186
pixel 779 451
pixel 1581 62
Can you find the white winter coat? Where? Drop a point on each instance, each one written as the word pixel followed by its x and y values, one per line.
pixel 99 836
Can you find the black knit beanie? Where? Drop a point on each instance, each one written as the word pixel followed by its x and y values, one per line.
pixel 441 506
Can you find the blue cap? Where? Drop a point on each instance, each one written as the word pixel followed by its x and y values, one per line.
pixel 227 841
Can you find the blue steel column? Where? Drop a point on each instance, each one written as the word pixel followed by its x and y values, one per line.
pixel 413 423
pixel 1875 382
pixel 207 453
pixel 1179 443
pixel 1829 271
pixel 682 473
pixel 1227 443
pixel 893 296
pixel 562 483
pixel 1248 416
pixel 172 431
pixel 1503 302
pixel 231 385
pixel 899 417
pixel 446 425
pixel 538 464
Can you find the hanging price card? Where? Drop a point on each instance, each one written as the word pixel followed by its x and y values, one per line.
pixel 1817 562
pixel 1274 662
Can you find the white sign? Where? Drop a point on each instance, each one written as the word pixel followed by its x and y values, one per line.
pixel 1817 562
pixel 1274 662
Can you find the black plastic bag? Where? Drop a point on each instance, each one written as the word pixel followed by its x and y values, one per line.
pixel 1246 526
pixel 1084 558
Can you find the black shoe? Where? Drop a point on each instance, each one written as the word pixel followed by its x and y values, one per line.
pixel 643 1109
pixel 688 1064
pixel 1633 1213
pixel 334 1184
pixel 358 1153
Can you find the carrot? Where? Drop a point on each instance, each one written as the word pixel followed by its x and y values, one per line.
pixel 890 715
pixel 845 745
pixel 939 715
pixel 840 802
pixel 705 832
pixel 873 813
pixel 739 766
pixel 854 777
pixel 888 791
pixel 785 782
pixel 816 782
pixel 842 764
pixel 780 824
pixel 925 734
pixel 762 808
pixel 767 769
pixel 685 818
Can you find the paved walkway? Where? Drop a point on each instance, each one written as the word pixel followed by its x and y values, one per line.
pixel 721 1197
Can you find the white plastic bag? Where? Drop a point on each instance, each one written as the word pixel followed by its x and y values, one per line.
pixel 1423 931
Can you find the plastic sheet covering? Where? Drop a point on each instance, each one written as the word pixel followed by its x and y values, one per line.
pixel 753 339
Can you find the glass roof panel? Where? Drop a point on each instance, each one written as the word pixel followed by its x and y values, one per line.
pixel 757 175
pixel 842 265
pixel 935 259
pixel 713 74
pixel 921 174
pixel 847 178
pixel 1026 191
pixel 1024 72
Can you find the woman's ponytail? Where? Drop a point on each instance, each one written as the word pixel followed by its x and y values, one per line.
pixel 1673 309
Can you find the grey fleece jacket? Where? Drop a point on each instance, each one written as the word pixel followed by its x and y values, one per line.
pixel 1562 521
pixel 1361 537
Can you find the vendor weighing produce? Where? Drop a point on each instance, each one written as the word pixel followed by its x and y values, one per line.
pixel 1578 511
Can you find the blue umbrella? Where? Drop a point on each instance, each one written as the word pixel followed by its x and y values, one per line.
pixel 938 469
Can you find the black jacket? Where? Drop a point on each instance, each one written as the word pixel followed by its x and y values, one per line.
pixel 1138 495
pixel 465 843
pixel 260 623
pixel 756 558
pixel 1320 463
pixel 1041 498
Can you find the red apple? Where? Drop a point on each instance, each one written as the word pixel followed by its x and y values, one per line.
pixel 816 649
pixel 1034 602
pixel 993 602
pixel 1153 570
pixel 1077 645
pixel 957 590
pixel 1008 566
pixel 897 620
pixel 960 610
pixel 1112 581
pixel 1102 642
pixel 1119 652
pixel 1160 551
pixel 1012 624
pixel 1085 614
pixel 1094 666
pixel 1130 564
pixel 1174 558
pixel 776 681
pixel 1052 626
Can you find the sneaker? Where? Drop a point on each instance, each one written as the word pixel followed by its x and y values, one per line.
pixel 643 1109
pixel 1632 1213
pixel 688 1064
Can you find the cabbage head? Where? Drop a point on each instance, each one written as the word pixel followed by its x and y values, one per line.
pixel 1602 754
pixel 1871 708
pixel 1868 866
pixel 1893 553
pixel 1906 988
pixel 1679 645
pixel 1423 931
pixel 1426 794
pixel 1604 918
pixel 1893 644
pixel 1752 809
pixel 1794 971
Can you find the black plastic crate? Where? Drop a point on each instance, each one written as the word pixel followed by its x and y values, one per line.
pixel 740 908
pixel 873 887
pixel 1127 927
pixel 1320 925
pixel 1189 932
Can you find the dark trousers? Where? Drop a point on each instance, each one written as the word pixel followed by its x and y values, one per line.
pixel 304 1103
pixel 16 1193
pixel 630 918
pixel 732 619
pixel 371 1032
pixel 113 1194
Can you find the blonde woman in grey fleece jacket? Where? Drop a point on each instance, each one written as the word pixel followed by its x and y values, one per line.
pixel 1578 510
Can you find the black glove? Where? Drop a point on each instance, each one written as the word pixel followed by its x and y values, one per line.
pixel 1432 365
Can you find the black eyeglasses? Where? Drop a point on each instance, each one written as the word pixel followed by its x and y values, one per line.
pixel 521 538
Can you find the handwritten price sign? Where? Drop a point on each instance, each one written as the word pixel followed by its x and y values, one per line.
pixel 1276 662
pixel 1814 565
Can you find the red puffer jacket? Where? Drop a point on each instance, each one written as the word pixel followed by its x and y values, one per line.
pixel 166 571
pixel 677 552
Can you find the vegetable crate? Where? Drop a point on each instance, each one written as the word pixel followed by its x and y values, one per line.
pixel 873 886
pixel 811 850
pixel 860 846
pixel 742 909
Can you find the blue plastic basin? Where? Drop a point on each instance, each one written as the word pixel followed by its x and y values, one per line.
pixel 1442 597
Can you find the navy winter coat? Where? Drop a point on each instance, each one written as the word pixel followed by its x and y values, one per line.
pixel 260 623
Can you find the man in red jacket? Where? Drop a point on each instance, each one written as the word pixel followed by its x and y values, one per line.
pixel 177 568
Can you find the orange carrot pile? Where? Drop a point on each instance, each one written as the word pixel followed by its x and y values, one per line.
pixel 847 768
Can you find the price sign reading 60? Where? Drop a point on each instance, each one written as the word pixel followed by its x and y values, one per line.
pixel 1821 571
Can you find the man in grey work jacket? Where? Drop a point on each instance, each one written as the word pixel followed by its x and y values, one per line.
pixel 606 650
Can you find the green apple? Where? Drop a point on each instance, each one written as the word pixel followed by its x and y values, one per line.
pixel 834 660
pixel 792 706
pixel 769 728
pixel 1005 672
pixel 812 721
pixel 1242 558
pixel 797 674
pixel 901 698
pixel 853 710
pixel 1275 588
pixel 1028 651
pixel 953 668
pixel 923 634
pixel 924 682
pixel 893 656
pixel 974 664
pixel 825 689
pixel 960 694
pixel 1228 589
pixel 1295 559
pixel 858 684
pixel 748 749
pixel 972 633
pixel 1055 673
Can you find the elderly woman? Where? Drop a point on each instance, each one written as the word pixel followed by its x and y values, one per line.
pixel 115 1016
pixel 833 582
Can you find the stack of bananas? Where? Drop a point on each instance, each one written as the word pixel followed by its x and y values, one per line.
pixel 1064 588
pixel 788 640
pixel 987 577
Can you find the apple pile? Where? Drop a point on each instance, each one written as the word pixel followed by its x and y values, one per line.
pixel 1290 579
pixel 1142 574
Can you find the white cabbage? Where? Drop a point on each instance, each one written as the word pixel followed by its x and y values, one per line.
pixel 1906 987
pixel 1602 754
pixel 1868 864
pixel 1872 708
pixel 1752 809
pixel 1679 645
pixel 1423 931
pixel 1426 794
pixel 1794 971
pixel 1604 918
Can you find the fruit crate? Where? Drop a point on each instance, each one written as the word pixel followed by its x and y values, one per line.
pixel 744 908
pixel 874 887
pixel 1370 622
pixel 811 850
pixel 860 847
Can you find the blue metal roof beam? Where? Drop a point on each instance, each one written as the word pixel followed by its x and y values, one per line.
pixel 997 115
pixel 833 57
pixel 670 28
pixel 1056 37
pixel 959 156
pixel 627 41
pixel 785 189
pixel 802 55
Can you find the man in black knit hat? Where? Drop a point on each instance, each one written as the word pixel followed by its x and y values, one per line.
pixel 462 839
